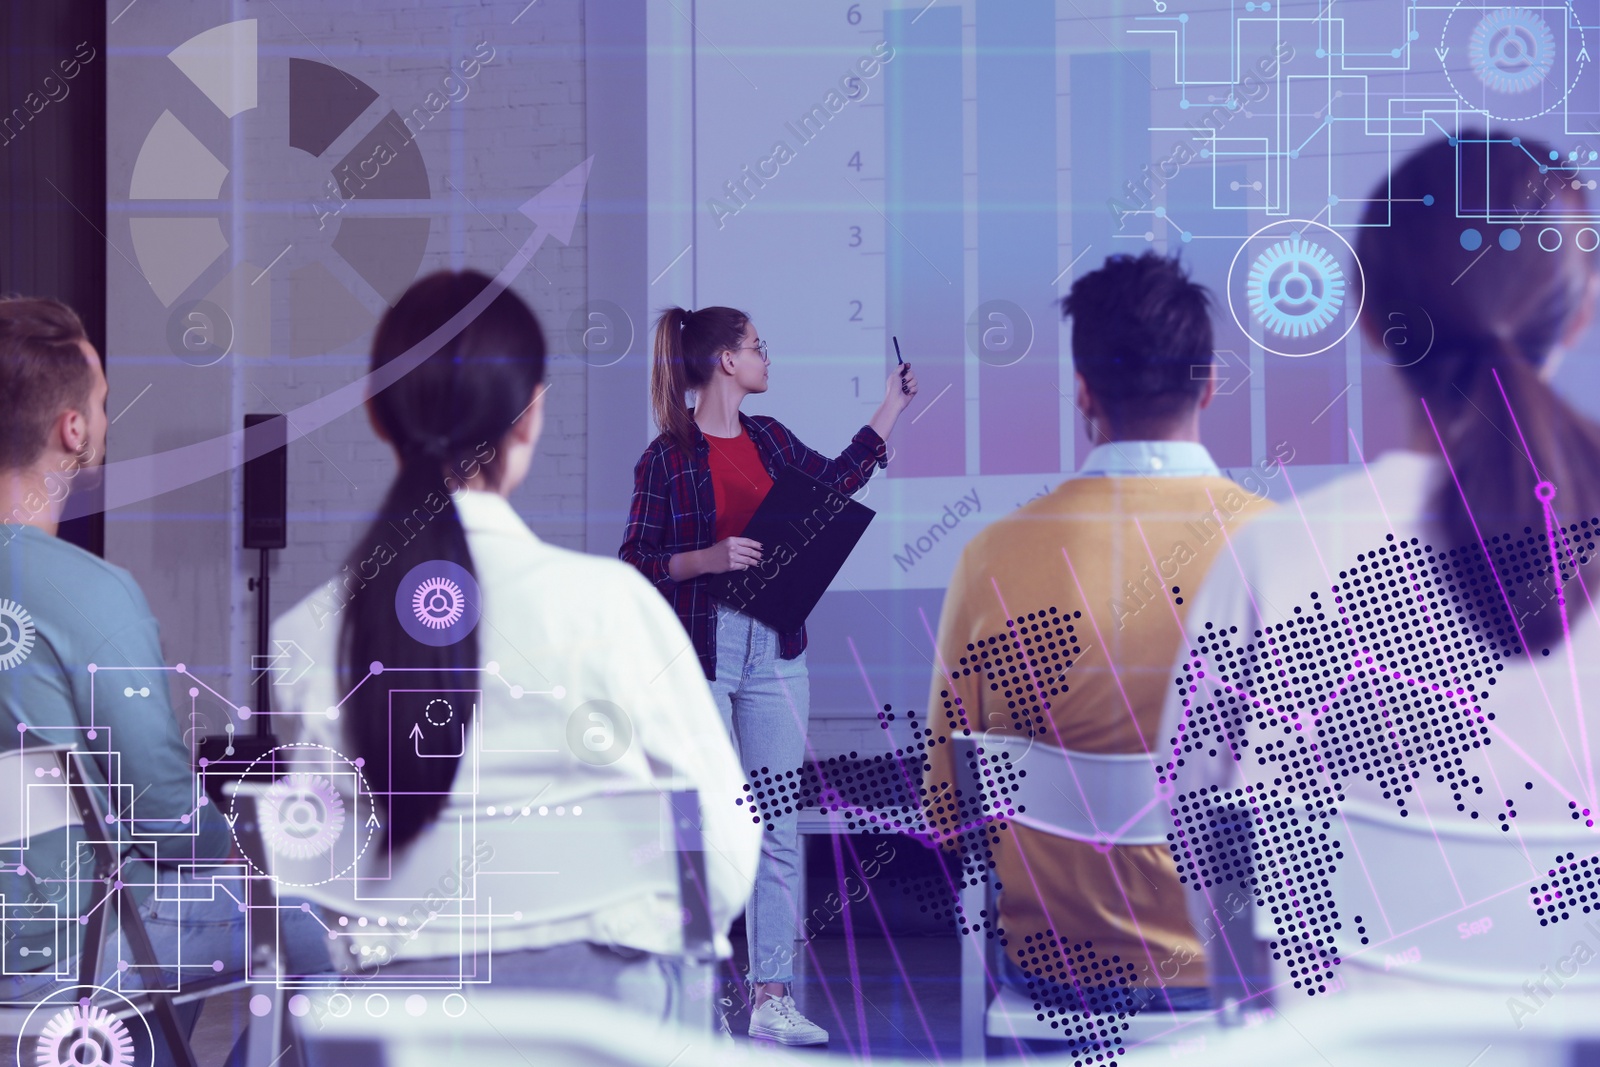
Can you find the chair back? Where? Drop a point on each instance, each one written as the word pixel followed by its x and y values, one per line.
pixel 1100 798
pixel 491 1027
pixel 34 794
pixel 553 863
pixel 1462 903
pixel 1104 800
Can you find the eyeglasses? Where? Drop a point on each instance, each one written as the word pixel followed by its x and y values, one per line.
pixel 759 347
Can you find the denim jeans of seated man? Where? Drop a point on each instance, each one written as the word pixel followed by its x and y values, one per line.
pixel 1102 999
pixel 200 923
pixel 766 704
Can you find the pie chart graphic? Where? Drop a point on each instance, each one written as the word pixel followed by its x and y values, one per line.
pixel 345 187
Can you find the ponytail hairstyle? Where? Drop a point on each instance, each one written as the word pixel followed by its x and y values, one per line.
pixel 446 419
pixel 686 350
pixel 1502 316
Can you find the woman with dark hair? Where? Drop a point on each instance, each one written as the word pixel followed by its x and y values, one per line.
pixel 694 489
pixel 558 634
pixel 1417 639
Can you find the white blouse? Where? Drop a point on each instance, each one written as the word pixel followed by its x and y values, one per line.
pixel 561 628
pixel 1545 705
pixel 1401 702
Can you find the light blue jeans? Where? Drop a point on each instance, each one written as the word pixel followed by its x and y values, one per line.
pixel 765 703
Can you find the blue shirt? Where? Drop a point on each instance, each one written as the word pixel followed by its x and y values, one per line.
pixel 1149 459
pixel 80 610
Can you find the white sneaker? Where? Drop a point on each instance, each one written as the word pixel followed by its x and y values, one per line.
pixel 779 1020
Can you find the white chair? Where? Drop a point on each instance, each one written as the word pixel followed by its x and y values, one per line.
pixel 43 791
pixel 1101 799
pixel 501 1028
pixel 490 1029
pixel 1438 902
pixel 1454 902
pixel 557 862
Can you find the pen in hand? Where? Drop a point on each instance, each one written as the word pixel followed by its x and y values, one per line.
pixel 900 361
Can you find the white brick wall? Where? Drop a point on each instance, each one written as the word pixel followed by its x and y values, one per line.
pixel 521 127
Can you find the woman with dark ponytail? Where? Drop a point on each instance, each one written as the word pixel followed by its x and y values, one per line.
pixel 694 489
pixel 545 637
pixel 1424 629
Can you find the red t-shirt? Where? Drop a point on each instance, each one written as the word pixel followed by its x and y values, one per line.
pixel 739 481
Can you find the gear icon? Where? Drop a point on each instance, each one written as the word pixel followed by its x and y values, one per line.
pixel 1296 287
pixel 439 603
pixel 1511 50
pixel 16 634
pixel 85 1036
pixel 302 816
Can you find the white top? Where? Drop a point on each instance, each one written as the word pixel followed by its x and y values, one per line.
pixel 1546 709
pixel 1293 551
pixel 590 628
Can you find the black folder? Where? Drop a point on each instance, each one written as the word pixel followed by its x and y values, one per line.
pixel 806 530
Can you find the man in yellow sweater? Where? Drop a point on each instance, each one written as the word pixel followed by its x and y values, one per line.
pixel 1063 621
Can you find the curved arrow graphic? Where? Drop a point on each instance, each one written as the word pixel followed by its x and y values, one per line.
pixel 416 743
pixel 554 212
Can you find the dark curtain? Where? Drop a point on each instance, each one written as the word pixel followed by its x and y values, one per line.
pixel 53 171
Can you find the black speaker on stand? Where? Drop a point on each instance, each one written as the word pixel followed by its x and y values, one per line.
pixel 266 527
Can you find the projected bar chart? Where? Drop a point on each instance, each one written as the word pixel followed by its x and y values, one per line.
pixel 942 173
pixel 924 259
pixel 1014 335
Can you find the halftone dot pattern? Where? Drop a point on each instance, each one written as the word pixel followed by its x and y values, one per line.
pixel 1026 665
pixel 1524 563
pixel 976 833
pixel 1278 848
pixel 1387 682
pixel 876 794
pixel 1573 886
pixel 1066 980
pixel 881 795
pixel 932 896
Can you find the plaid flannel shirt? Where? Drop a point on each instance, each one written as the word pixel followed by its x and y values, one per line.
pixel 674 510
